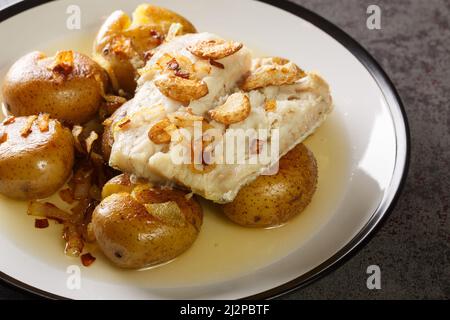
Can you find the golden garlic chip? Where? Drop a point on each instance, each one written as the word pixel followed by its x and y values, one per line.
pixel 180 89
pixel 158 133
pixel 214 49
pixel 274 72
pixel 235 109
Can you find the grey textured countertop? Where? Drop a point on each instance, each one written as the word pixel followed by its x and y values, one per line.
pixel 413 246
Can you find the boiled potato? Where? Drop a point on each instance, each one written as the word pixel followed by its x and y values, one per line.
pixel 274 199
pixel 35 159
pixel 107 137
pixel 139 225
pixel 122 45
pixel 119 184
pixel 68 86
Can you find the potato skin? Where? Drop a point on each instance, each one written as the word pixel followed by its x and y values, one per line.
pixel 272 200
pixel 131 236
pixel 121 43
pixel 36 166
pixel 32 87
pixel 107 136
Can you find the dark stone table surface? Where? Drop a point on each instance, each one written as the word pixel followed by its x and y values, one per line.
pixel 412 248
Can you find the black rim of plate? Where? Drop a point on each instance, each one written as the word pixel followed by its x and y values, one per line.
pixel 378 217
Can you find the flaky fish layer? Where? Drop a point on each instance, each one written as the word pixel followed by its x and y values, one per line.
pixel 181 85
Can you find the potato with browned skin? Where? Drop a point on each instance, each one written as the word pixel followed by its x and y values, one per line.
pixel 36 157
pixel 108 137
pixel 139 225
pixel 271 200
pixel 123 45
pixel 69 86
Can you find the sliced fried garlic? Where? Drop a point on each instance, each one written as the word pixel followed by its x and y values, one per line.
pixel 270 105
pixel 175 30
pixel 276 60
pixel 158 133
pixel 235 109
pixel 162 62
pixel 273 72
pixel 43 122
pixel 317 85
pixel 184 119
pixel 93 136
pixel 123 123
pixel 214 49
pixel 76 132
pixel 202 68
pixel 26 130
pixel 181 67
pixel 181 89
pixel 9 120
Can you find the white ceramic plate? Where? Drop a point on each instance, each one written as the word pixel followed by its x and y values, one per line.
pixel 362 152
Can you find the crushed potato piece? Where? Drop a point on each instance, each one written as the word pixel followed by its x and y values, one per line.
pixel 158 37
pixel 120 46
pixel 169 212
pixel 111 104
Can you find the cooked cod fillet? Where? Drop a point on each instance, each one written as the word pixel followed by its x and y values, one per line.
pixel 242 93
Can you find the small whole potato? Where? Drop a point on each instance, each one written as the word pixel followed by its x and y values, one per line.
pixel 69 86
pixel 36 157
pixel 139 225
pixel 272 200
pixel 107 136
pixel 122 44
